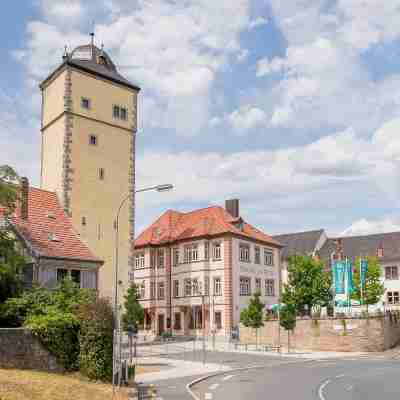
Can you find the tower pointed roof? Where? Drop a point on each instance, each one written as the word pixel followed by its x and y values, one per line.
pixel 91 59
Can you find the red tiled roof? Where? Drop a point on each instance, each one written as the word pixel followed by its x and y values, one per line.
pixel 46 218
pixel 173 226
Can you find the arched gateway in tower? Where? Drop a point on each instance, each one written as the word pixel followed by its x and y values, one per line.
pixel 89 121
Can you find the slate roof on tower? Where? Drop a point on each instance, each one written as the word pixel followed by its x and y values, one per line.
pixel 48 231
pixel 87 58
pixel 174 226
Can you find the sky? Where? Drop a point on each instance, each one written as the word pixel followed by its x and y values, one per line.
pixel 292 106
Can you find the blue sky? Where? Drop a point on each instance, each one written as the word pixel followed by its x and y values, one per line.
pixel 291 106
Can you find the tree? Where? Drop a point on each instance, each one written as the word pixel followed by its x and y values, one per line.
pixel 373 288
pixel 288 319
pixel 8 190
pixel 308 283
pixel 11 261
pixel 253 315
pixel 134 312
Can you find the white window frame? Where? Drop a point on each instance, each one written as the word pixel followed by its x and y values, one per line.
pixel 176 288
pixel 175 256
pixel 270 287
pixel 393 277
pixel 244 286
pixel 393 297
pixel 161 291
pixel 139 261
pixel 217 251
pixel 188 287
pixel 258 285
pixel 142 290
pixel 244 252
pixel 217 286
pixel 257 255
pixel 268 257
pixel 160 259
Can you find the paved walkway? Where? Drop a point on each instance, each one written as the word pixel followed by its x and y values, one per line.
pixel 176 368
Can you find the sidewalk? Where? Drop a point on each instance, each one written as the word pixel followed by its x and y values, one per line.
pixel 176 368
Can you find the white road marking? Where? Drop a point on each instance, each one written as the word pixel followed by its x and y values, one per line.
pixel 208 396
pixel 225 378
pixel 213 386
pixel 321 389
pixel 325 384
pixel 349 388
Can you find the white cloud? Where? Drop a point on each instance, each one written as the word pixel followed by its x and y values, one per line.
pixel 242 55
pixel 171 49
pixel 215 121
pixel 367 227
pixel 259 21
pixel 369 22
pixel 62 10
pixel 247 118
pixel 337 172
pixel 265 66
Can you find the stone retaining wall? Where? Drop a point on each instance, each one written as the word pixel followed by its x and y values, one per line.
pixel 20 349
pixel 340 334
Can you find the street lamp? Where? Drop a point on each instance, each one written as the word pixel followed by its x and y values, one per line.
pixel 159 188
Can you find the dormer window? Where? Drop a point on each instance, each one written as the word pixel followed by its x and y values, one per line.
pixel 54 238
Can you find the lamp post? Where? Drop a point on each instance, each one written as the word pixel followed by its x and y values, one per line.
pixel 116 369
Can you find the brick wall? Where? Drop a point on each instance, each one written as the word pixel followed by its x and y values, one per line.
pixel 359 335
pixel 20 349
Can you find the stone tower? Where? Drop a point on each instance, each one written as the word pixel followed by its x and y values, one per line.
pixel 89 120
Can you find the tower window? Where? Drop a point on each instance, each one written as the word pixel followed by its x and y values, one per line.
pixel 120 112
pixel 101 174
pixel 83 221
pixel 93 140
pixel 116 112
pixel 124 113
pixel 85 103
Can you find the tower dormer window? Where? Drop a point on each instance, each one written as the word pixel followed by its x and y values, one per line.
pixel 101 174
pixel 85 103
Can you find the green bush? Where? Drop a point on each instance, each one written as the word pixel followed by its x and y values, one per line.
pixel 59 334
pixel 96 339
pixel 15 311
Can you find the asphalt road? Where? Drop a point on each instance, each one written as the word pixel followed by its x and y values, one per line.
pixel 322 380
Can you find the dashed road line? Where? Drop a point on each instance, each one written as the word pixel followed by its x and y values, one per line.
pixel 226 378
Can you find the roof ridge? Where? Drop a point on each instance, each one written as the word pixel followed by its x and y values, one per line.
pixel 299 233
pixel 367 235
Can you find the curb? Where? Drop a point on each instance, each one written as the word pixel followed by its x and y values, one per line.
pixel 246 368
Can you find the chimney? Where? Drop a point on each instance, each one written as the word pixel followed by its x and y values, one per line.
pixel 24 198
pixel 232 206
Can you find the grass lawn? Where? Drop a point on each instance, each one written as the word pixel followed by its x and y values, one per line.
pixel 33 385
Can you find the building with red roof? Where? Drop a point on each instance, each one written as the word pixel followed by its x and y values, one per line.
pixel 51 246
pixel 197 270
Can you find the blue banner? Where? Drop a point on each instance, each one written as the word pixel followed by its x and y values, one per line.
pixel 339 269
pixel 349 276
pixel 363 272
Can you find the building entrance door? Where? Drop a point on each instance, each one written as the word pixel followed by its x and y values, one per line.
pixel 161 326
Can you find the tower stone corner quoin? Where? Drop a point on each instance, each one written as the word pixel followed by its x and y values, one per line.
pixel 88 126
